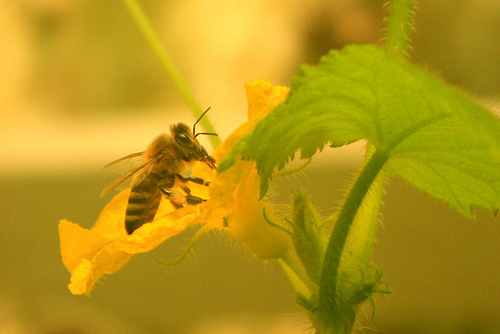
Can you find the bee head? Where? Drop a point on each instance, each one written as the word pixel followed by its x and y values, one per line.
pixel 188 146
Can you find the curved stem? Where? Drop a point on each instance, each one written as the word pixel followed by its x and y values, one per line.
pixel 330 318
pixel 367 217
pixel 169 66
pixel 400 22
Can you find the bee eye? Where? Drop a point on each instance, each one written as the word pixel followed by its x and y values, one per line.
pixel 183 138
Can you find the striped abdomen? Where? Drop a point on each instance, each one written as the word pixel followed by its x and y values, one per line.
pixel 143 204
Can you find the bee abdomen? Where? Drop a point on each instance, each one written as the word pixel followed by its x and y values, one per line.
pixel 143 203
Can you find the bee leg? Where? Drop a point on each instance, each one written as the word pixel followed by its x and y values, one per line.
pixel 192 200
pixel 193 179
pixel 178 199
pixel 186 190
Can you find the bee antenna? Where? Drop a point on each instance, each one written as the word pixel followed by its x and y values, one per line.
pixel 199 118
pixel 205 133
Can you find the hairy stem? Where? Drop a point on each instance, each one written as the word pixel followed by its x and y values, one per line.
pixel 367 216
pixel 169 66
pixel 332 319
pixel 400 22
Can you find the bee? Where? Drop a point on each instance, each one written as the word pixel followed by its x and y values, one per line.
pixel 164 160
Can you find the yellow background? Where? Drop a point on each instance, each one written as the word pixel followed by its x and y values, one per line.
pixel 79 88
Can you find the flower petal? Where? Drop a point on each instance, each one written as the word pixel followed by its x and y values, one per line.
pixel 78 243
pixel 247 221
pixel 262 97
pixel 89 254
pixel 234 194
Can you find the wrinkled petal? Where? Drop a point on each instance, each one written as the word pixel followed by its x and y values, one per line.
pixel 247 222
pixel 234 194
pixel 262 97
pixel 104 249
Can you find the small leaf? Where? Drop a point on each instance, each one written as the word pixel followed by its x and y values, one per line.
pixel 435 136
pixel 309 237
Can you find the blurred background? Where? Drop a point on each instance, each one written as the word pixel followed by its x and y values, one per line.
pixel 80 87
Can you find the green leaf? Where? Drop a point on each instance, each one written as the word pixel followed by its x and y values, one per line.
pixel 435 136
pixel 309 237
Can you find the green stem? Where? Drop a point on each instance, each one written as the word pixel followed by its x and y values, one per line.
pixel 169 66
pixel 332 319
pixel 367 217
pixel 400 22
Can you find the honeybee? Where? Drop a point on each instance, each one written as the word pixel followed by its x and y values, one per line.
pixel 164 160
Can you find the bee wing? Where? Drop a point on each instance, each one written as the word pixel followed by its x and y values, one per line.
pixel 125 176
pixel 127 157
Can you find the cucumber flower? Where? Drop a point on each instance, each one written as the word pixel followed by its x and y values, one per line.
pixel 233 205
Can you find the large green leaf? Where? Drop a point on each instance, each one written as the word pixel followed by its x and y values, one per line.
pixel 435 136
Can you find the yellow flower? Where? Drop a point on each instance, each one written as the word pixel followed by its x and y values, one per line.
pixel 88 254
pixel 234 194
pixel 233 205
